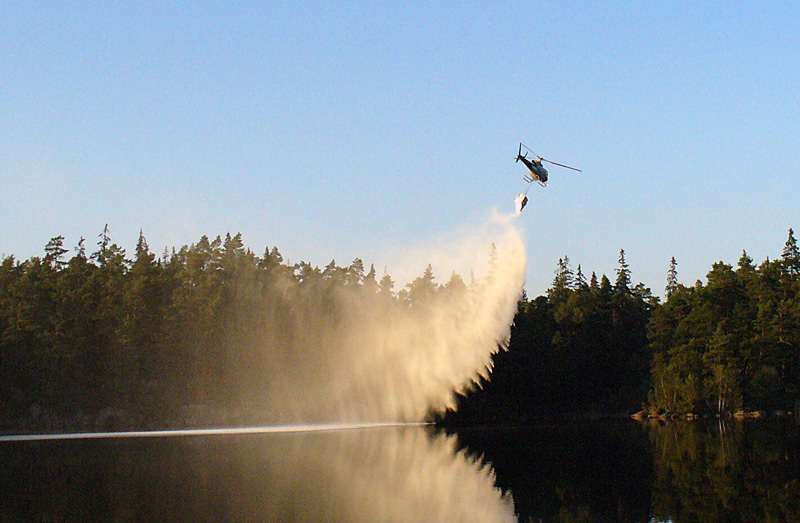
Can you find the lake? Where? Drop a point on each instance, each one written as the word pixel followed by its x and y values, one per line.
pixel 614 470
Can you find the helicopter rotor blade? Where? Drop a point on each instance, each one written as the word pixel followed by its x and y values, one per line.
pixel 560 165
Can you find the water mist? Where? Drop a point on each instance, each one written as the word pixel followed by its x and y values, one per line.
pixel 377 360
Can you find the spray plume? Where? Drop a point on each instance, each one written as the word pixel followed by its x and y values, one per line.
pixel 353 354
pixel 388 474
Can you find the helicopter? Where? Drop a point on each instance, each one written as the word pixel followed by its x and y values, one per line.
pixel 536 171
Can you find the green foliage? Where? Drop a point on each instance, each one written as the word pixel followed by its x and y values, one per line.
pixel 731 344
pixel 672 279
pixel 582 348
pixel 724 471
pixel 728 345
pixel 623 282
pixel 151 335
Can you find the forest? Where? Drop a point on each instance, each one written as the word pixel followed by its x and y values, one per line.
pixel 731 345
pixel 206 334
pixel 100 332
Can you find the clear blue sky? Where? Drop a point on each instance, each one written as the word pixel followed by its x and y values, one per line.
pixel 337 130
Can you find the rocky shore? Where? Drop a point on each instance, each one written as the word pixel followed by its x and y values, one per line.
pixel 644 415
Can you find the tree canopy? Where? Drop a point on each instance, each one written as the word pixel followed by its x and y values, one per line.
pixel 728 345
pixel 152 334
pixel 733 343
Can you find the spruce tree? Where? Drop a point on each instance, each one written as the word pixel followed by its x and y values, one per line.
pixel 745 264
pixel 791 255
pixel 623 282
pixel 370 282
pixel 563 280
pixel 580 280
pixel 606 290
pixel 354 274
pixel 672 278
pixel 386 285
pixel 456 286
pixel 423 288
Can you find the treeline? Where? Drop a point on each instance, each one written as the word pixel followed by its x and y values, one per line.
pixel 733 343
pixel 730 345
pixel 580 348
pixel 209 324
pixel 146 336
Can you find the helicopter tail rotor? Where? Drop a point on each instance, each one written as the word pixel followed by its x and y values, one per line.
pixel 521 145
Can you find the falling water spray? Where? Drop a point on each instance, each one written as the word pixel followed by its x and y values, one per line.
pixel 373 360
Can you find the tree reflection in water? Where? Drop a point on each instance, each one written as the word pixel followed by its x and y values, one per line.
pixel 624 471
pixel 570 471
pixel 726 471
pixel 405 474
pixel 616 470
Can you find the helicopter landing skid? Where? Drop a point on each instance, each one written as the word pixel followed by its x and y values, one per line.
pixel 531 179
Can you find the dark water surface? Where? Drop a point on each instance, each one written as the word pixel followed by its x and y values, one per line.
pixel 626 471
pixel 379 474
pixel 617 470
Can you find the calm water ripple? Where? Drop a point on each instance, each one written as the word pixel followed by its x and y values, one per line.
pixel 616 470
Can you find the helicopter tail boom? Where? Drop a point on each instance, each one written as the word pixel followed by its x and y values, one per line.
pixel 561 165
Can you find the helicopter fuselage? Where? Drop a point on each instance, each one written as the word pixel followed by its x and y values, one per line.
pixel 537 171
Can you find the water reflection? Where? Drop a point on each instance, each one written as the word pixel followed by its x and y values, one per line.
pixel 405 474
pixel 572 472
pixel 618 470
pixel 726 471
pixel 624 471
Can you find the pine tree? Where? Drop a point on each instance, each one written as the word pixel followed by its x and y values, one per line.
pixel 672 278
pixel 354 275
pixel 104 242
pixel 233 251
pixel 332 272
pixel 54 252
pixel 304 272
pixel 81 248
